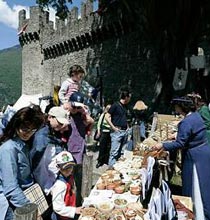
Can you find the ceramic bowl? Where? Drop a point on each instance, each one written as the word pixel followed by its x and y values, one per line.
pixel 120 203
pixel 119 189
pixel 105 207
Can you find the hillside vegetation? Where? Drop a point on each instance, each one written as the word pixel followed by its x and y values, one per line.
pixel 10 75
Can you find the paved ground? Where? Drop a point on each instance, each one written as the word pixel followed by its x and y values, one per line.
pixel 93 150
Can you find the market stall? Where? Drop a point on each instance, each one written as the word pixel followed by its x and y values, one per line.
pixel 136 187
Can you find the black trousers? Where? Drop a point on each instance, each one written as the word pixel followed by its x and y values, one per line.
pixel 104 148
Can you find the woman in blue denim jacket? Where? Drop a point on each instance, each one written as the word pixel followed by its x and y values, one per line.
pixel 15 171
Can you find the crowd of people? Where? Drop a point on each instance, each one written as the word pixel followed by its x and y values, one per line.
pixel 48 148
pixel 33 144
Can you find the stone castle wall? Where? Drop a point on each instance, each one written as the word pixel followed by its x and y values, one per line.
pixel 48 52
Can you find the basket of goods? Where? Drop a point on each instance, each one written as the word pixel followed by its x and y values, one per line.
pixel 137 207
pixel 159 154
pixel 105 206
pixel 119 189
pixel 89 211
pixel 135 189
pixel 100 186
pixel 117 214
pixel 117 182
pixel 130 213
pixel 120 203
pixel 102 216
pixel 110 186
pixel 105 176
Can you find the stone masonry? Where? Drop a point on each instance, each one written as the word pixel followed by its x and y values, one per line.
pixel 119 49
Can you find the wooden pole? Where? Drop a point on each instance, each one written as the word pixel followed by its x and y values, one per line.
pixel 136 136
pixel 87 173
pixel 26 212
pixel 166 131
pixel 160 127
pixel 154 124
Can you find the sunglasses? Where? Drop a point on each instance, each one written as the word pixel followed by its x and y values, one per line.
pixel 27 130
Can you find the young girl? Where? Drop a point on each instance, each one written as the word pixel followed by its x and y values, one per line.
pixel 63 191
pixel 72 84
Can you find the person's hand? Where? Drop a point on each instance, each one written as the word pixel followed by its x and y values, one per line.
pixel 66 106
pixel 98 134
pixel 115 129
pixel 158 146
pixel 78 210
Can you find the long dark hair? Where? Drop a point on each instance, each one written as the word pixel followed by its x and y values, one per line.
pixel 25 117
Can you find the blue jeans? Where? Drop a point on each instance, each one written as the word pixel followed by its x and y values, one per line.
pixel 119 140
pixel 9 214
pixel 142 130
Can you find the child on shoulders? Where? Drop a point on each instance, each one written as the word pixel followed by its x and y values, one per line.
pixel 72 84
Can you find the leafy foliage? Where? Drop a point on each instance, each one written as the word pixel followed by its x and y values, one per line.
pixel 60 6
pixel 10 75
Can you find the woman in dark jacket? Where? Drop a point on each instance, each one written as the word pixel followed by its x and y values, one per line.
pixel 192 139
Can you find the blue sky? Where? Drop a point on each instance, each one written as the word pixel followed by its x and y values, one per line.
pixel 9 19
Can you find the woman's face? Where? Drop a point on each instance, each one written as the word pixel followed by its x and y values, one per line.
pixel 25 133
pixel 178 109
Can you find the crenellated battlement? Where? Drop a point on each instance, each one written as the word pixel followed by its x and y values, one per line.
pixel 50 32
pixel 85 38
pixel 73 34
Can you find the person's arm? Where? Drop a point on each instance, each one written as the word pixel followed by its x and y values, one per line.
pixel 9 174
pixel 87 119
pixel 99 122
pixel 183 135
pixel 99 125
pixel 109 121
pixel 40 143
pixel 182 138
pixel 58 194
pixel 62 91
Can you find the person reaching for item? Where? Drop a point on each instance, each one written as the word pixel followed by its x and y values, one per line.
pixel 192 140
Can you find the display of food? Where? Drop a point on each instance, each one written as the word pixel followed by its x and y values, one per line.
pixel 119 189
pixel 105 176
pixel 136 191
pixel 105 207
pixel 125 181
pixel 117 182
pixel 130 214
pixel 101 186
pixel 110 186
pixel 102 216
pixel 89 211
pixel 120 203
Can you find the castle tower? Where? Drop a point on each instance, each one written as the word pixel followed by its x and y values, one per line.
pixel 48 49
